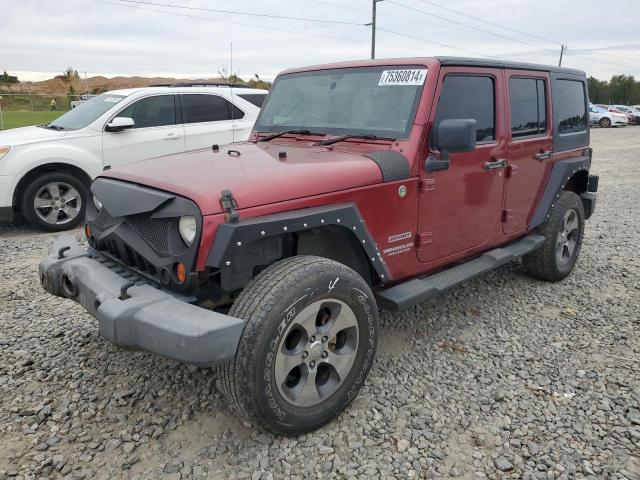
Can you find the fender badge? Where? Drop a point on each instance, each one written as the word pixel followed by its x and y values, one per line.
pixel 402 191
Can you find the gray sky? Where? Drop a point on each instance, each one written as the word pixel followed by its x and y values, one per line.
pixel 39 38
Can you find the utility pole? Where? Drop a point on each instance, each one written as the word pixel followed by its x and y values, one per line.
pixel 373 28
pixel 562 49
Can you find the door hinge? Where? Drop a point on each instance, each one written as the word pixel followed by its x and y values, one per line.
pixel 511 170
pixel 423 239
pixel 507 215
pixel 426 185
pixel 229 205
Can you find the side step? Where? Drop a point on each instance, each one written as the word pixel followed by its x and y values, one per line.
pixel 412 292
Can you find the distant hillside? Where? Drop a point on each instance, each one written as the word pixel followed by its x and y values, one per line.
pixel 59 85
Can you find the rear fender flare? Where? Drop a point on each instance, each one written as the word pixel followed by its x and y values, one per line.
pixel 561 174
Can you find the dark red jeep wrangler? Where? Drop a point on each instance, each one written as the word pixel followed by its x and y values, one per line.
pixel 365 185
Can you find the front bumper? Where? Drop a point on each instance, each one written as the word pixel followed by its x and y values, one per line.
pixel 141 317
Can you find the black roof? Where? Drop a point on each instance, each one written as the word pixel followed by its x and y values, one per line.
pixel 490 63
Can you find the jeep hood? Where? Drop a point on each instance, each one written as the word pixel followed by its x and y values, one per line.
pixel 254 173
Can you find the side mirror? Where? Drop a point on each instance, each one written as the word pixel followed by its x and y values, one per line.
pixel 120 123
pixel 452 135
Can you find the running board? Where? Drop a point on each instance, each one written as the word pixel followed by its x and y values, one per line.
pixel 407 294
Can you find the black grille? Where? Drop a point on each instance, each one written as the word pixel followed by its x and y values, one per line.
pixel 121 251
pixel 154 231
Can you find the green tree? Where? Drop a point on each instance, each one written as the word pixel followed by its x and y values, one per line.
pixel 622 87
pixel 70 74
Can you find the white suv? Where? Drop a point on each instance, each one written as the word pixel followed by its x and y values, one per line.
pixel 45 171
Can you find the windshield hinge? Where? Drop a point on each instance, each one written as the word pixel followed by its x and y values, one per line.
pixel 229 205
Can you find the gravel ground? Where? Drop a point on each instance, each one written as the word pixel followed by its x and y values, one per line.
pixel 505 377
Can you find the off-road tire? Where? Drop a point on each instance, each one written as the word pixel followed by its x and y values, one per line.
pixel 269 304
pixel 33 187
pixel 543 263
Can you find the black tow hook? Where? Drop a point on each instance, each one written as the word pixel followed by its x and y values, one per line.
pixel 124 290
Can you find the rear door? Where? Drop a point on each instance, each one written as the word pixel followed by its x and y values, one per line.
pixel 158 131
pixel 530 146
pixel 460 207
pixel 211 119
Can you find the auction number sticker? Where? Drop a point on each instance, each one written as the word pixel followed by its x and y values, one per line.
pixel 403 77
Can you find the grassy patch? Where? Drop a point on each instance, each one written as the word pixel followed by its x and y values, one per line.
pixel 26 118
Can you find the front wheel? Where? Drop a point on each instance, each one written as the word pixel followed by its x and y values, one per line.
pixel 54 201
pixel 307 347
pixel 563 233
pixel 605 122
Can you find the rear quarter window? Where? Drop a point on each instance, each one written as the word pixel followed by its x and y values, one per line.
pixel 255 98
pixel 571 112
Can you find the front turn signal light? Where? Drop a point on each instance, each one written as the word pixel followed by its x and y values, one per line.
pixel 181 272
pixel 87 232
pixel 4 151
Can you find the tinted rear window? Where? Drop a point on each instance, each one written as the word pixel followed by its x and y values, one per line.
pixel 256 98
pixel 571 109
pixel 208 108
pixel 528 107
pixel 469 97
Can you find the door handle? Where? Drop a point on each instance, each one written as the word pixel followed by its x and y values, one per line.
pixel 543 155
pixel 171 136
pixel 495 164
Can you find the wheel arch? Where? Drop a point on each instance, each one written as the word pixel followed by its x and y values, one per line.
pixel 570 174
pixel 337 232
pixel 53 167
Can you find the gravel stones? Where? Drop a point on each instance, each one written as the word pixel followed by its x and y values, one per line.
pixel 503 377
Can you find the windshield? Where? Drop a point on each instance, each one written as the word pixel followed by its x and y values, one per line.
pixel 379 101
pixel 86 113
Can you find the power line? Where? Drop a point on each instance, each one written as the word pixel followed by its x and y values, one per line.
pixel 433 42
pixel 234 12
pixel 262 27
pixel 491 23
pixel 468 26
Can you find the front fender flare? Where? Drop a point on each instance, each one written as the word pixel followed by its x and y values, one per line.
pixel 232 239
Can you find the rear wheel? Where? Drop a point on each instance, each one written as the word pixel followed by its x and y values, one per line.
pixel 54 201
pixel 563 231
pixel 605 122
pixel 307 346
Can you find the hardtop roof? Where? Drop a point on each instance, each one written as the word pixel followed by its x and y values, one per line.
pixel 444 61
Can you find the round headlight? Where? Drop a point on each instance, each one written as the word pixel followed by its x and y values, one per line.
pixel 187 227
pixel 97 203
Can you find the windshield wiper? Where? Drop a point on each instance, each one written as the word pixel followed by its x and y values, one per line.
pixel 331 141
pixel 52 127
pixel 295 131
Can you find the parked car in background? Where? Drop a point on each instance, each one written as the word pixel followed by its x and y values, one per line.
pixel 612 109
pixel 605 118
pixel 46 170
pixel 635 114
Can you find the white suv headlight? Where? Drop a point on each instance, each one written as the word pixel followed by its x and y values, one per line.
pixel 4 151
pixel 187 227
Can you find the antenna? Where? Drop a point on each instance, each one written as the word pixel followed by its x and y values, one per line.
pixel 233 103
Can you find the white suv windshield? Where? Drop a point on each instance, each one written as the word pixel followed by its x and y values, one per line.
pixel 379 101
pixel 85 113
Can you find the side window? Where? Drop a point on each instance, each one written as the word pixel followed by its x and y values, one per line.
pixel 256 98
pixel 528 107
pixel 469 97
pixel 571 111
pixel 156 111
pixel 208 108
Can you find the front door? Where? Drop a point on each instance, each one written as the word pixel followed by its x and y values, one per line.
pixel 530 145
pixel 460 207
pixel 158 131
